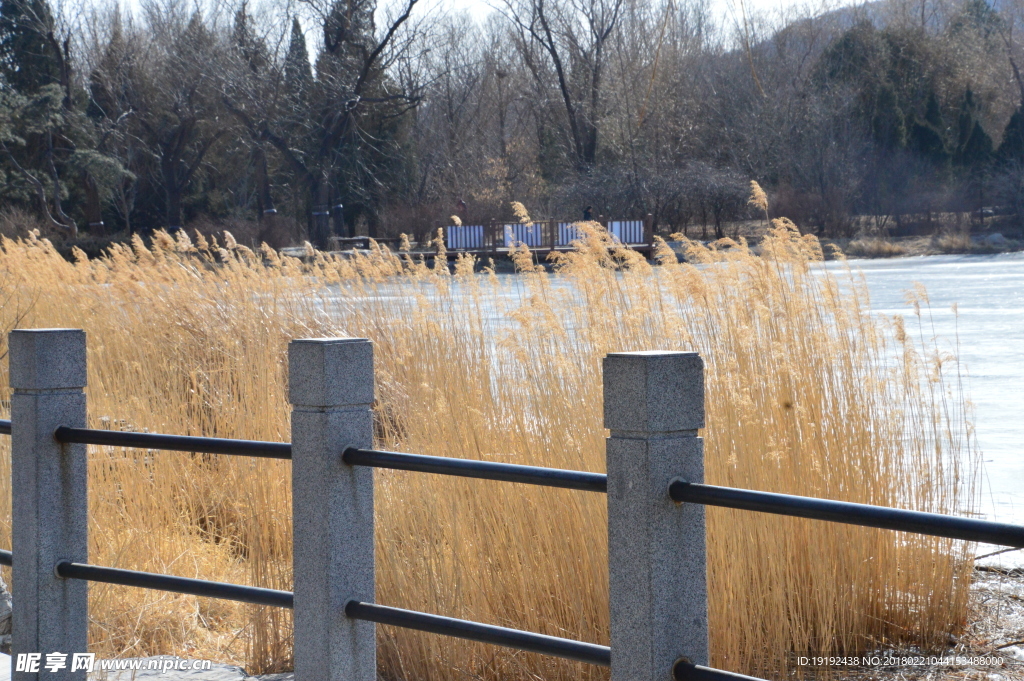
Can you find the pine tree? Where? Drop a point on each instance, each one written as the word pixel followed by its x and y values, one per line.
pixel 925 134
pixel 857 56
pixel 250 46
pixel 977 16
pixel 39 149
pixel 887 120
pixel 1011 150
pixel 974 146
pixel 298 74
pixel 29 57
pixel 342 134
pixel 348 40
pixel 109 80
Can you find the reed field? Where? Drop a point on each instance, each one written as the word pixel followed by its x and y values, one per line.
pixel 807 393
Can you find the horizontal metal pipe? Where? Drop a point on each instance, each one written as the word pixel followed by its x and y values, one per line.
pixel 6 558
pixel 5 426
pixel 685 671
pixel 178 443
pixel 181 585
pixel 485 633
pixel 936 524
pixel 469 468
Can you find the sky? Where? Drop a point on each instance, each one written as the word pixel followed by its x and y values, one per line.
pixel 727 10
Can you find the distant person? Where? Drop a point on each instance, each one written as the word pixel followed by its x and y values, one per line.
pixel 460 208
pixel 588 213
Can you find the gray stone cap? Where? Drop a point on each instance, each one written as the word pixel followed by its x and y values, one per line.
pixel 654 353
pixel 47 359
pixel 653 391
pixel 330 372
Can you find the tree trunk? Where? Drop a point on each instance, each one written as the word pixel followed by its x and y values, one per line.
pixel 338 220
pixel 589 144
pixel 62 217
pixel 173 209
pixel 93 207
pixel 172 194
pixel 320 226
pixel 264 199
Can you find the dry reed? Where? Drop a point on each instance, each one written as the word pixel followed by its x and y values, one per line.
pixel 958 241
pixel 807 393
pixel 875 248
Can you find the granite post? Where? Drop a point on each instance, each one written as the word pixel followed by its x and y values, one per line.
pixel 331 390
pixel 653 406
pixel 48 485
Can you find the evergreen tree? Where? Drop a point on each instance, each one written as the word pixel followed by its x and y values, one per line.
pixel 35 151
pixel 298 74
pixel 348 40
pixel 110 79
pixel 250 46
pixel 979 17
pixel 39 147
pixel 29 55
pixel 1011 150
pixel 933 114
pixel 977 150
pixel 974 146
pixel 925 134
pixel 862 59
pixel 858 56
pixel 887 121
pixel 344 74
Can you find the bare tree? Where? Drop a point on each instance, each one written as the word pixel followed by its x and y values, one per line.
pixel 574 37
pixel 350 84
pixel 173 96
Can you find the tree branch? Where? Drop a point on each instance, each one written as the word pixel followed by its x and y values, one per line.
pixel 35 182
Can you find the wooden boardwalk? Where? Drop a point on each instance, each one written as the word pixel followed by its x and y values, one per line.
pixel 543 237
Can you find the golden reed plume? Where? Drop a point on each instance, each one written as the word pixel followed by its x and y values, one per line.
pixel 807 393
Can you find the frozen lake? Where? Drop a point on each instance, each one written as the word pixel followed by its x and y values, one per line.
pixel 989 293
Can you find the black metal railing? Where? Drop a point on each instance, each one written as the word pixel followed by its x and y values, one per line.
pixel 471 468
pixel 864 515
pixel 684 670
pixel 679 490
pixel 474 631
pixel 484 633
pixel 180 585
pixel 177 443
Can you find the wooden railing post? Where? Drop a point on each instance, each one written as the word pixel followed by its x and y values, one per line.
pixel 653 406
pixel 330 383
pixel 49 504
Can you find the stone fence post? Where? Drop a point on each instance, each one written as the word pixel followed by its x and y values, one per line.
pixel 48 486
pixel 330 384
pixel 653 406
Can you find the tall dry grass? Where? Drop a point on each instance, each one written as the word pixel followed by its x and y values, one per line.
pixel 869 247
pixel 807 393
